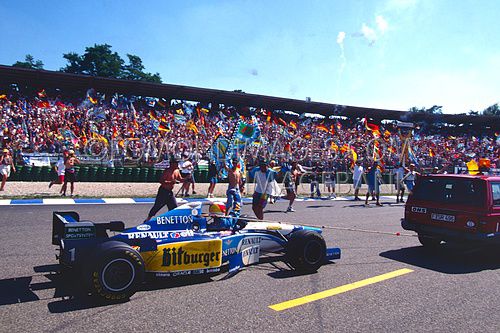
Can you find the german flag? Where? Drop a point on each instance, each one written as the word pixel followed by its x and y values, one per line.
pixel 334 146
pixel 293 124
pixel 332 129
pixel 307 136
pixel 3 96
pixel 152 115
pixel 179 111
pixel 344 148
pixel 162 102
pixel 164 128
pixel 371 127
pixel 387 133
pixel 322 127
pixel 93 100
pixel 280 121
pixel 115 132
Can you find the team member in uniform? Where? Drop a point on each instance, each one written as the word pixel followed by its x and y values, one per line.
pixel 6 165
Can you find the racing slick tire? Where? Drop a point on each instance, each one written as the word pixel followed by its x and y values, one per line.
pixel 116 271
pixel 429 242
pixel 305 251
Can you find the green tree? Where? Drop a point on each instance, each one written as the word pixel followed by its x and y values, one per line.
pixel 29 62
pixel 436 109
pixel 100 60
pixel 134 70
pixel 492 110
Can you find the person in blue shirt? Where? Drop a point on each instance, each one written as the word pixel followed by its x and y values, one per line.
pixel 373 179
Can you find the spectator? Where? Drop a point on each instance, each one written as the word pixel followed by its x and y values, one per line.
pixel 6 165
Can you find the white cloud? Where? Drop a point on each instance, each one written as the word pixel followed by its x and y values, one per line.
pixel 369 34
pixel 340 38
pixel 382 24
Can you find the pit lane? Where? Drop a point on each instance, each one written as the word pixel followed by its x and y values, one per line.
pixel 450 291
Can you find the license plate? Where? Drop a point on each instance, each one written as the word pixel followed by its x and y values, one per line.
pixel 443 217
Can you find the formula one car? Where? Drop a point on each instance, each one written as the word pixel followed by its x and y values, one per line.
pixel 180 242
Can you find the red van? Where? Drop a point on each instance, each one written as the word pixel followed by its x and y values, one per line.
pixel 458 208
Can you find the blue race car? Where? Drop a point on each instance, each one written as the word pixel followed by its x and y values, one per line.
pixel 182 241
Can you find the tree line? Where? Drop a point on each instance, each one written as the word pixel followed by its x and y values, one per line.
pixel 99 60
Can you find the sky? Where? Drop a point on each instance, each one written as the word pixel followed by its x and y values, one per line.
pixel 388 54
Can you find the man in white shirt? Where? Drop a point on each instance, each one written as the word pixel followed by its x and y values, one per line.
pixel 61 170
pixel 357 175
pixel 263 178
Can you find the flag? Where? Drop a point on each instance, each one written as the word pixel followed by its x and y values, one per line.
pixel 115 132
pixel 280 121
pixel 162 102
pixel 387 133
pixel 287 148
pixel 42 93
pixel 339 125
pixel 152 115
pixel 151 103
pixel 354 156
pixel 372 128
pixel 332 129
pixel 484 163
pixel 431 153
pixel 344 148
pixel 179 111
pixel 179 119
pixel 293 124
pixel 307 136
pixel 3 96
pixel 322 127
pixel 164 128
pixel 472 167
pixel 114 102
pixel 92 100
pixel 334 146
pixel 191 125
pixel 391 149
pixel 43 104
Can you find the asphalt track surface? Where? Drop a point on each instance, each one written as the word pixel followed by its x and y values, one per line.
pixel 449 291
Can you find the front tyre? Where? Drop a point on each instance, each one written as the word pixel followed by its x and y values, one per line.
pixel 306 251
pixel 117 272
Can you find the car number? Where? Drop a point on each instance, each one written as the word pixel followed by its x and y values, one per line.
pixel 443 217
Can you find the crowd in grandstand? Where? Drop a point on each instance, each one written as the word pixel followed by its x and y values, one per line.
pixel 147 130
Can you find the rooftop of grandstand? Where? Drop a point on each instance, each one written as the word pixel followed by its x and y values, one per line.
pixel 51 79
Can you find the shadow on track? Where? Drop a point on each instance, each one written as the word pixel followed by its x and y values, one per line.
pixel 65 292
pixel 448 259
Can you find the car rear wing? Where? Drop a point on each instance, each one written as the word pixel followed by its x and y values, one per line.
pixel 67 225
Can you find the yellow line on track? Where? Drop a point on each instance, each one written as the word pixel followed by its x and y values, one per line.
pixel 338 290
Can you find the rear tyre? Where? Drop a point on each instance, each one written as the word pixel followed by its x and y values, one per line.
pixel 305 251
pixel 429 242
pixel 116 272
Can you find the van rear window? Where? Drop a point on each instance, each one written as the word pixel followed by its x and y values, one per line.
pixel 495 189
pixel 467 192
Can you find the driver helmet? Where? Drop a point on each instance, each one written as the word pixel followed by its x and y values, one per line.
pixel 217 208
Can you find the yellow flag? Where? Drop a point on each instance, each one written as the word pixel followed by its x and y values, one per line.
pixel 472 167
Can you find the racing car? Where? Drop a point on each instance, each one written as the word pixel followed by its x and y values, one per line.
pixel 183 241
